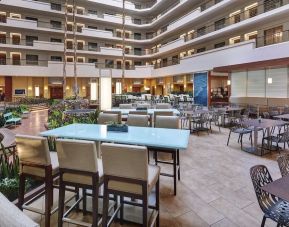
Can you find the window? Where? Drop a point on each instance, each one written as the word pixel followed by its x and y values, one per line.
pixel 80 59
pixel 137 36
pixel 220 24
pixel 79 27
pixel 16 59
pixel 92 46
pixel 92 27
pixel 80 45
pixel 175 59
pixel 16 39
pixel 31 59
pixel 273 35
pixel 137 51
pixel 235 40
pixel 2 58
pixel 92 60
pixel 237 18
pixel 92 12
pixel 219 45
pixel 253 12
pixel 164 62
pixel 56 58
pixel 3 18
pixel 56 6
pixel 201 31
pixel 55 40
pixel 272 4
pixel 3 38
pixel 200 50
pixel 69 59
pixel 80 10
pixel 137 63
pixel 137 21
pixel 218 1
pixel 55 24
pixel 69 44
pixel 69 27
pixel 30 40
pixel 32 18
pixel 109 63
pixel 118 65
pixel 15 15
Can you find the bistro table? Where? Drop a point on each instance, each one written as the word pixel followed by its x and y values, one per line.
pixel 223 111
pixel 284 117
pixel 172 140
pixel 279 188
pixel 191 114
pixel 256 125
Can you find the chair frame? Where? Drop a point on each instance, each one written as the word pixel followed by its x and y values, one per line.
pixel 48 190
pixel 121 194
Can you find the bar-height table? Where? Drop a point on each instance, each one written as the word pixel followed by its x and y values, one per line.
pixel 256 125
pixel 162 138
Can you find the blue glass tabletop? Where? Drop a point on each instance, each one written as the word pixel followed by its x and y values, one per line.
pixel 150 111
pixel 144 136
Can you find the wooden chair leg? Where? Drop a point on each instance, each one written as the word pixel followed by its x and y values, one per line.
pixel 95 206
pixel 105 204
pixel 175 173
pixel 48 197
pixel 61 202
pixel 229 138
pixel 21 191
pixel 145 207
pixel 179 164
pixel 158 202
pixel 84 211
pixel 121 209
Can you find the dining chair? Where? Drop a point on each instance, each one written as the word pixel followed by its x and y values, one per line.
pixel 277 139
pixel 137 120
pixel 162 113
pixel 105 118
pixel 125 106
pixel 144 105
pixel 37 162
pixel 128 174
pixel 283 163
pixel 163 106
pixel 273 207
pixel 79 167
pixel 241 130
pixel 169 122
pixel 138 112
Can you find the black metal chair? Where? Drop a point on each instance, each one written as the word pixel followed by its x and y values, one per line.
pixel 280 138
pixel 241 130
pixel 283 163
pixel 272 207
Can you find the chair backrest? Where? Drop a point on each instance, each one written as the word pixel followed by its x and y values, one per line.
pixel 167 122
pixel 163 106
pixel 162 113
pixel 33 149
pixel 125 161
pixel 137 120
pixel 77 155
pixel 260 177
pixel 143 105
pixel 104 118
pixel 138 112
pixel 125 106
pixel 283 163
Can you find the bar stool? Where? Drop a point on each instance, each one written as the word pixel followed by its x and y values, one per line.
pixel 80 168
pixel 37 162
pixel 138 120
pixel 128 174
pixel 170 122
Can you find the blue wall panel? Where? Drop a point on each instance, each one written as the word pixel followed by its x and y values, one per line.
pixel 201 88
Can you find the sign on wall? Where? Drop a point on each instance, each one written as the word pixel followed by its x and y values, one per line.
pixel 201 88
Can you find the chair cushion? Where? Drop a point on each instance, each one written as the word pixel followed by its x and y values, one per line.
pixel 11 216
pixel 35 171
pixel 153 176
pixel 81 179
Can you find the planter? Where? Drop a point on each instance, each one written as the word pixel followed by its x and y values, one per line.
pixel 117 128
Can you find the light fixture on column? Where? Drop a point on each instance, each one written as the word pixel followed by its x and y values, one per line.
pixel 228 82
pixel 105 81
pixel 37 91
pixel 118 88
pixel 93 91
pixel 270 80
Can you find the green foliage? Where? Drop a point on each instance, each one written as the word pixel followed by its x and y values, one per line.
pixel 9 187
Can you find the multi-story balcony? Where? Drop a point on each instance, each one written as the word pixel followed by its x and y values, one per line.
pixel 241 53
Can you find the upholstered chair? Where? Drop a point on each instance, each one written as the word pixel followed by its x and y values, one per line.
pixel 168 122
pixel 37 162
pixel 162 113
pixel 128 174
pixel 125 106
pixel 104 118
pixel 115 112
pixel 138 120
pixel 163 106
pixel 79 167
pixel 143 105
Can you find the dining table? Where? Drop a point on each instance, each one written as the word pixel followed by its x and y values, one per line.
pixel 284 117
pixel 225 111
pixel 257 125
pixel 150 111
pixel 171 140
pixel 279 188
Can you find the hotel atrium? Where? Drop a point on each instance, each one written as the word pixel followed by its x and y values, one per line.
pixel 168 113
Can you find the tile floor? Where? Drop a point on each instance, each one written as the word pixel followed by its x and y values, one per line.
pixel 215 188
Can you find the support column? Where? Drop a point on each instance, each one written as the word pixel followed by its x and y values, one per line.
pixel 8 88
